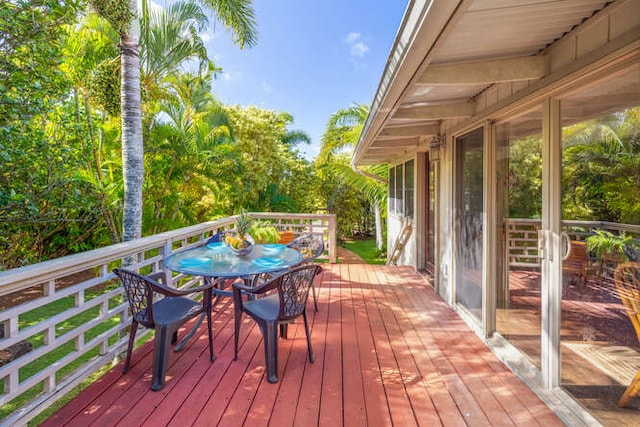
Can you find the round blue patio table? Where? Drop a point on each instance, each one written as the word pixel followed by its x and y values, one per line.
pixel 217 260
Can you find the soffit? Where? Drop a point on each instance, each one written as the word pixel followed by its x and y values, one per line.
pixel 495 35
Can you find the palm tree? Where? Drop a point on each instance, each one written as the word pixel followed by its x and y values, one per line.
pixel 236 15
pixel 601 162
pixel 191 150
pixel 338 142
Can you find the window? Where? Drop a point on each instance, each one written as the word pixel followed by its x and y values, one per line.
pixel 408 188
pixel 392 190
pixel 401 189
pixel 399 179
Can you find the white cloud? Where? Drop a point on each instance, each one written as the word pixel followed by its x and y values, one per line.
pixel 357 48
pixel 226 77
pixel 267 87
pixel 352 37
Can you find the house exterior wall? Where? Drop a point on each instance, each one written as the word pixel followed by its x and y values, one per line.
pixel 394 226
pixel 605 44
pixel 585 45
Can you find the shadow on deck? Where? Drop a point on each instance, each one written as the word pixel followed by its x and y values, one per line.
pixel 388 351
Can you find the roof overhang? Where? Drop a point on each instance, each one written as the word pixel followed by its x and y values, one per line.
pixel 446 53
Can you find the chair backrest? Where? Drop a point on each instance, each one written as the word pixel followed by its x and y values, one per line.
pixel 216 238
pixel 293 289
pixel 577 260
pixel 139 294
pixel 310 245
pixel 627 280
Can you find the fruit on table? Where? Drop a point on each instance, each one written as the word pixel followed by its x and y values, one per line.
pixel 236 242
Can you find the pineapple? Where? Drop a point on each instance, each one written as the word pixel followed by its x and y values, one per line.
pixel 243 224
pixel 239 239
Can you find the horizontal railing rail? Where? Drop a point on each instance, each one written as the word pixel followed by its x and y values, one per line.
pixel 71 317
pixel 522 237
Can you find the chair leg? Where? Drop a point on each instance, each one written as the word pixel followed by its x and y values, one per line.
pixel 132 339
pixel 315 300
pixel 630 392
pixel 236 334
pixel 270 335
pixel 284 329
pixel 209 330
pixel 306 328
pixel 160 356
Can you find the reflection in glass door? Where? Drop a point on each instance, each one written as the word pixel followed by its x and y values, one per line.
pixel 601 222
pixel 469 210
pixel 519 210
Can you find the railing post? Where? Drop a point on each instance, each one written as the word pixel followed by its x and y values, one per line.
pixel 333 255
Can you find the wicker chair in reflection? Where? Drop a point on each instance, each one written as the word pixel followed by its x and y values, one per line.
pixel 575 264
pixel 627 280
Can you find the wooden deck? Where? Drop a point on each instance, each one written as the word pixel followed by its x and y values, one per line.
pixel 388 351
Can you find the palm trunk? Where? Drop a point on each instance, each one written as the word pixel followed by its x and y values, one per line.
pixel 378 215
pixel 132 144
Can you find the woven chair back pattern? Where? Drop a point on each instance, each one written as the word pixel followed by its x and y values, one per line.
pixel 294 291
pixel 310 245
pixel 140 298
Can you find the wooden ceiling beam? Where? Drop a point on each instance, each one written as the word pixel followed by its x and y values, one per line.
pixel 409 131
pixel 394 143
pixel 440 111
pixel 487 71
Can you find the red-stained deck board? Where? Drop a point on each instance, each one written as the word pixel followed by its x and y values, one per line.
pixel 420 405
pixel 308 409
pixel 354 402
pixel 182 394
pixel 135 405
pixel 245 392
pixel 431 362
pixel 207 384
pixel 290 378
pixel 388 351
pixel 216 405
pixel 426 393
pixel 331 398
pixel 374 394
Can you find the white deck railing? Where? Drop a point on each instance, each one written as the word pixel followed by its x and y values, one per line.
pixel 46 296
pixel 522 235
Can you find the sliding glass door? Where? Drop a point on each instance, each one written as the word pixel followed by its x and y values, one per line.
pixel 469 213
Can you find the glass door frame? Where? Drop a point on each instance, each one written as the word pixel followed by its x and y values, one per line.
pixel 486 323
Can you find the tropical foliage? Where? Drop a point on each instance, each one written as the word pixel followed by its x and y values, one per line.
pixel 357 197
pixel 62 182
pixel 601 168
pixel 600 171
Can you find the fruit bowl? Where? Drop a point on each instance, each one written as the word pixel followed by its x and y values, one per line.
pixel 241 246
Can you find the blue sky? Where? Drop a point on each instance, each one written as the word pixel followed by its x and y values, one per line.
pixel 312 58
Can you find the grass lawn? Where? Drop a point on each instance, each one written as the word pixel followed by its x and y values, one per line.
pixel 367 250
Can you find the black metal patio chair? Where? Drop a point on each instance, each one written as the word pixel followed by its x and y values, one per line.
pixel 311 246
pixel 276 309
pixel 165 316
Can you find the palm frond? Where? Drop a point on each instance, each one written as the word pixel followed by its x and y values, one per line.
pixel 238 17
